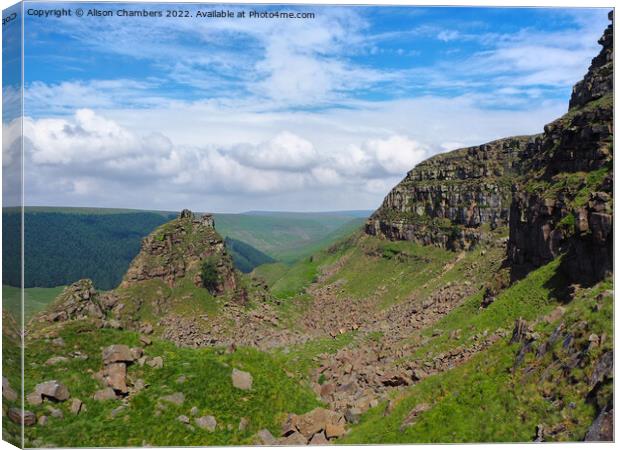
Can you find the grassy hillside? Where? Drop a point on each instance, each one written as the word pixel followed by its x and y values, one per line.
pixel 246 257
pixel 286 237
pixel 496 396
pixel 63 245
pixel 35 299
pixel 60 247
pixel 208 388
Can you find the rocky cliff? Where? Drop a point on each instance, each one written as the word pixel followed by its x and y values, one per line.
pixel 563 203
pixel 553 190
pixel 450 200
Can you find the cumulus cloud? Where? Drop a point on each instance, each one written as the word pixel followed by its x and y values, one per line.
pixel 286 151
pixel 87 153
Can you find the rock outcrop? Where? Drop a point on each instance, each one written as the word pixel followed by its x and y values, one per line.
pixel 600 77
pixel 78 300
pixel 177 249
pixel 447 200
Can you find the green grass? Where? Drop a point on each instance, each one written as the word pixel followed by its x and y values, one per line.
pixel 388 270
pixel 527 299
pixel 184 299
pixel 483 400
pixel 270 273
pixel 35 300
pixel 287 237
pixel 208 387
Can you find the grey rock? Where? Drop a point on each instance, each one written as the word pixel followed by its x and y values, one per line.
pixel 156 362
pixel 53 390
pixel 177 398
pixel 243 424
pixel 206 423
pixel 56 360
pixel 264 437
pixel 7 391
pixel 76 406
pixel 117 353
pixel 241 379
pixel 105 394
pixel 19 416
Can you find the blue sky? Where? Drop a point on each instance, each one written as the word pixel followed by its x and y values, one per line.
pixel 298 114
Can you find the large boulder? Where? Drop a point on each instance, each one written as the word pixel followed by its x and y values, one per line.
pixel 53 390
pixel 117 353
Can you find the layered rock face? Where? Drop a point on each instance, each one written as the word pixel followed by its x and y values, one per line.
pixel 563 203
pixel 554 190
pixel 177 249
pixel 446 200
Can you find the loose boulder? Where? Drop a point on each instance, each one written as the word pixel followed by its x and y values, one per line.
pixel 53 390
pixel 19 416
pixel 105 394
pixel 117 353
pixel 241 379
pixel 206 423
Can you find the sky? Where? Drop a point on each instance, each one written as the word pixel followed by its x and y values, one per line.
pixel 315 114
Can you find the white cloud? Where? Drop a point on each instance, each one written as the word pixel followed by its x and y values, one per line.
pixel 397 154
pixel 11 136
pixel 228 157
pixel 286 151
pixel 448 35
pixel 88 137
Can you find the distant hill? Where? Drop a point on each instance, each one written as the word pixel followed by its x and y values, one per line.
pixel 246 257
pixel 286 236
pixel 62 247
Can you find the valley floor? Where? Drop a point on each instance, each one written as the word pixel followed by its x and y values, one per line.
pixel 391 335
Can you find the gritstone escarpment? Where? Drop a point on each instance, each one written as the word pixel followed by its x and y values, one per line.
pixel 564 202
pixel 448 200
pixel 553 190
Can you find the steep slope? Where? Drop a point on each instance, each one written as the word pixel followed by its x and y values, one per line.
pixel 554 190
pixel 246 257
pixel 554 369
pixel 183 267
pixel 177 249
pixel 564 202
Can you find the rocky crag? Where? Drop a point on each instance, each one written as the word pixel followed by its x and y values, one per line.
pixel 177 249
pixel 563 204
pixel 451 199
pixel 171 256
pixel 553 190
